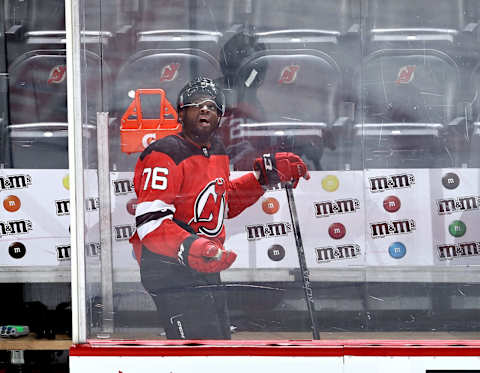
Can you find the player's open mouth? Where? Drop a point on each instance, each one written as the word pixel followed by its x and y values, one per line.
pixel 204 122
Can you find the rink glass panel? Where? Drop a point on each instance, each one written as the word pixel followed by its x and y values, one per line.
pixel 34 234
pixel 380 98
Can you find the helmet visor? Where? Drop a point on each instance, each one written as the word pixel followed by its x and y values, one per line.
pixel 209 104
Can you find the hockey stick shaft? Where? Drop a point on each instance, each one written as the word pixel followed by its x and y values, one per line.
pixel 307 286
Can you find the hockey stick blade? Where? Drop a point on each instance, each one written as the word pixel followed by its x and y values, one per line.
pixel 307 286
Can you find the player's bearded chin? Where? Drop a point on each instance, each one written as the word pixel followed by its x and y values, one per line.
pixel 200 135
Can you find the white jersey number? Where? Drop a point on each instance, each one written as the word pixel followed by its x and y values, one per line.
pixel 158 178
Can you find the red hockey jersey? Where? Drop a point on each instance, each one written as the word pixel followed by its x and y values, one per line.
pixel 178 182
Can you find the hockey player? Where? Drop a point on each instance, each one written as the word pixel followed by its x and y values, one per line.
pixel 184 193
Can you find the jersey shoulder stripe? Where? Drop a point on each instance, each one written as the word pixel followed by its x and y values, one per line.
pixel 153 206
pixel 142 219
pixel 179 149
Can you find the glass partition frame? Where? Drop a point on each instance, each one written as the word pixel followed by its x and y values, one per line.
pixel 380 162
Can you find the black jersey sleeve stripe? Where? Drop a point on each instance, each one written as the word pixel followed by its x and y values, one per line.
pixel 150 216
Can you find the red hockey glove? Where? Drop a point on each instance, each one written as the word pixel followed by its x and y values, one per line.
pixel 280 168
pixel 203 255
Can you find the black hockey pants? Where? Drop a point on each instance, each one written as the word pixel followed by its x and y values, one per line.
pixel 191 305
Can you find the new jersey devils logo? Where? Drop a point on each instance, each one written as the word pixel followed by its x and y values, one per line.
pixel 57 74
pixel 289 74
pixel 209 209
pixel 169 72
pixel 405 74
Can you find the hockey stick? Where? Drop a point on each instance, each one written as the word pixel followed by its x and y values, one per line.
pixel 307 286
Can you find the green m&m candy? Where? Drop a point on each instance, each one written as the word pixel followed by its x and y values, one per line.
pixel 457 228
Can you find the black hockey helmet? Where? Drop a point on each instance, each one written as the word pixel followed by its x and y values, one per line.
pixel 201 87
pixel 237 49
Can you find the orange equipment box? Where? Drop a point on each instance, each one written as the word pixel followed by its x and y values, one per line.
pixel 137 132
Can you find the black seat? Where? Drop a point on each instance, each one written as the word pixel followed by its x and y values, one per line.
pixel 169 70
pixel 40 25
pixel 411 25
pixel 38 107
pixel 36 41
pixel 413 85
pixel 38 87
pixel 34 25
pixel 295 97
pixel 166 69
pixel 409 102
pixel 172 24
pixel 332 28
pixel 436 16
pixel 290 14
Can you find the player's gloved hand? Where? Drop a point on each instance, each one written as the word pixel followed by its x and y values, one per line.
pixel 207 256
pixel 280 168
